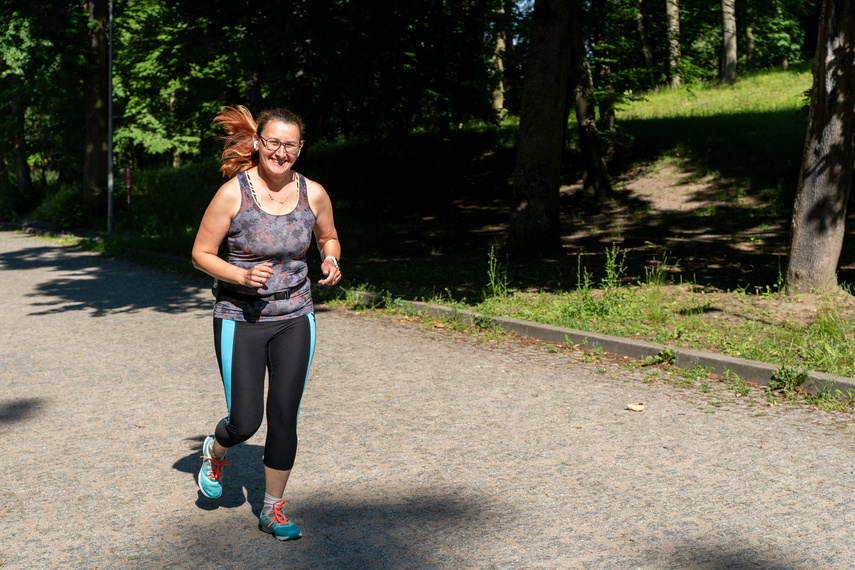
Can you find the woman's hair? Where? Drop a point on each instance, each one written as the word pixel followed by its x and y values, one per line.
pixel 239 154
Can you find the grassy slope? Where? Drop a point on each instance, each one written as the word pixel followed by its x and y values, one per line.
pixel 748 136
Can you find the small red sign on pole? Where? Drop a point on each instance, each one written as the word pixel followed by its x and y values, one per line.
pixel 128 187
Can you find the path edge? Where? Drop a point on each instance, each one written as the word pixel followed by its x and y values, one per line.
pixel 748 370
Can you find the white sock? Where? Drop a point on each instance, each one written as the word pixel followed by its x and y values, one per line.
pixel 269 501
pixel 211 453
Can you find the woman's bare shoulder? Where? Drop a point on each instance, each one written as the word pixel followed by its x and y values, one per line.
pixel 228 197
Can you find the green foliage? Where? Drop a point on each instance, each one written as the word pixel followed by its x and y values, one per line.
pixel 168 203
pixel 780 31
pixel 497 276
pixel 373 71
pixel 42 58
pixel 665 356
pixel 176 65
pixel 615 267
pixel 736 383
pixel 787 379
pixel 63 207
pixel 366 70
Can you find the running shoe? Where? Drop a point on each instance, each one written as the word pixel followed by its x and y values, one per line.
pixel 211 473
pixel 276 524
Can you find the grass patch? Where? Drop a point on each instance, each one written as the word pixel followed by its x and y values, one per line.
pixel 762 327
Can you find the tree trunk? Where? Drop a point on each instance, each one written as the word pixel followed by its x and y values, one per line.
pixel 728 41
pixel 751 48
pixel 672 10
pixel 499 68
pixel 17 138
pixel 645 45
pixel 603 72
pixel 819 214
pixel 95 105
pixel 595 174
pixel 509 74
pixel 534 230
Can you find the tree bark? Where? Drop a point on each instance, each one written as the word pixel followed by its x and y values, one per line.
pixel 728 41
pixel 751 47
pixel 95 105
pixel 603 70
pixel 509 75
pixel 18 140
pixel 534 230
pixel 595 174
pixel 819 214
pixel 645 45
pixel 499 68
pixel 672 10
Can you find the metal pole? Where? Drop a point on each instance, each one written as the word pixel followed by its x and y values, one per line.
pixel 110 127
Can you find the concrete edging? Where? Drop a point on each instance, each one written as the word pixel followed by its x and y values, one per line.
pixel 749 370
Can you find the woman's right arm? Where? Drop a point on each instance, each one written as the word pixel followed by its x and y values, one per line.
pixel 212 231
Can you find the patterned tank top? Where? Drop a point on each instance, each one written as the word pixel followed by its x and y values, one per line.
pixel 255 237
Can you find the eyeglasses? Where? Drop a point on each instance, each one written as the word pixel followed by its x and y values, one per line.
pixel 274 144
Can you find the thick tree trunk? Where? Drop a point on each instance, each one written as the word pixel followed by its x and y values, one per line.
pixel 819 214
pixel 595 174
pixel 728 41
pixel 645 45
pixel 672 10
pixel 95 105
pixel 534 230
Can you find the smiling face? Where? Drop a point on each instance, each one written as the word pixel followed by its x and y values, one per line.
pixel 277 163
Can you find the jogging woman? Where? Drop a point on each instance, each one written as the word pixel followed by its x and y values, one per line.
pixel 263 318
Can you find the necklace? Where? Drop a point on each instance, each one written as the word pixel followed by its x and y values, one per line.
pixel 269 195
pixel 288 195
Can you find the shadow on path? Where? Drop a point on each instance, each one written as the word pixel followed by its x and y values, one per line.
pixel 86 282
pixel 400 532
pixel 245 472
pixel 19 410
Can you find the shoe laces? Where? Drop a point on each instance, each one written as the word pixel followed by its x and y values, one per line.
pixel 278 516
pixel 215 467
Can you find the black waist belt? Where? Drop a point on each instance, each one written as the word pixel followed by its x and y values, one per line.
pixel 278 296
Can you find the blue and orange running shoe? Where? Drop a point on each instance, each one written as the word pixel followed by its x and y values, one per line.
pixel 276 524
pixel 211 473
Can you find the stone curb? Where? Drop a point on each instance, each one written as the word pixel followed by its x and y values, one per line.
pixel 749 370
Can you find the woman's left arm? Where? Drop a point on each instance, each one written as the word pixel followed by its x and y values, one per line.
pixel 325 233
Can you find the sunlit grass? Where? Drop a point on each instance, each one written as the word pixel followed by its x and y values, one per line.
pixel 677 317
pixel 761 93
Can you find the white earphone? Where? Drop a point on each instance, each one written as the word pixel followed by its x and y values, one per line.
pixel 254 145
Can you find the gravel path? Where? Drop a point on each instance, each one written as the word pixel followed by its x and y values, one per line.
pixel 418 449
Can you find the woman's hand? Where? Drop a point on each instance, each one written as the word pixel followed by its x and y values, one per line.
pixel 332 272
pixel 258 275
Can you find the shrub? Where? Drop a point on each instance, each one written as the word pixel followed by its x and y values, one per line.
pixel 63 207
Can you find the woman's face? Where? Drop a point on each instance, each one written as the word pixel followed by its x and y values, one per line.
pixel 278 162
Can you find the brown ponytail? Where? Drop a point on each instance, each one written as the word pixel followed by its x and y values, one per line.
pixel 238 154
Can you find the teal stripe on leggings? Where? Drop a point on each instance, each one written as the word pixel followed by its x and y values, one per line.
pixel 311 317
pixel 227 342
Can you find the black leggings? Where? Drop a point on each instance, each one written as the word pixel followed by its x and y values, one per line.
pixel 244 352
